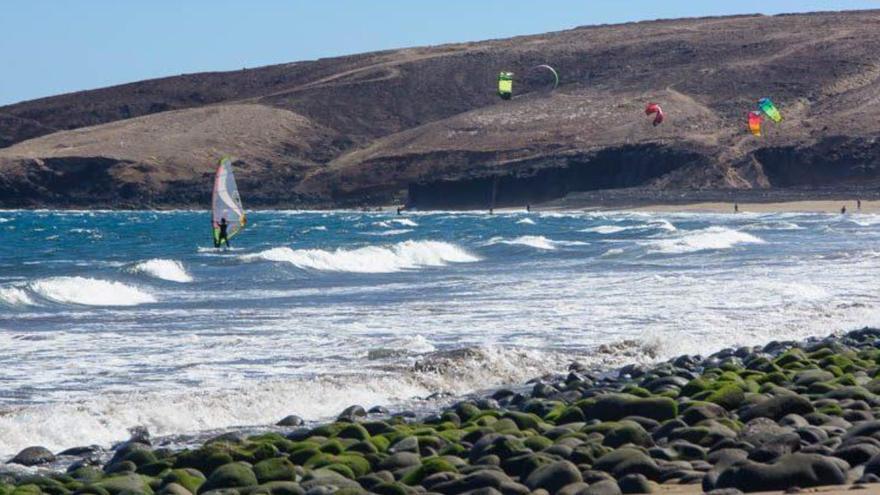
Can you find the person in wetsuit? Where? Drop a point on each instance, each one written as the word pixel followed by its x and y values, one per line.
pixel 223 236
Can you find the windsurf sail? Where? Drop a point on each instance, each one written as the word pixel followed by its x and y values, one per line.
pixel 226 203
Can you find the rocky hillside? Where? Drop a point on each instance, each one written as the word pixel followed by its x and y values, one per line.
pixel 424 124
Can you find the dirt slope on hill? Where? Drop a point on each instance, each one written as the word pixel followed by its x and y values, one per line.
pixel 424 124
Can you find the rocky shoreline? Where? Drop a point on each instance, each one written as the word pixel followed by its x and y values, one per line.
pixel 777 417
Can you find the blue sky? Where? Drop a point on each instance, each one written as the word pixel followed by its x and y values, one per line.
pixel 55 46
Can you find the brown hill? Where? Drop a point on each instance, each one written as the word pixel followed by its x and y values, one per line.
pixel 425 122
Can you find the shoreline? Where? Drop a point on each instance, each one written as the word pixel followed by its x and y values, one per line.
pixel 762 418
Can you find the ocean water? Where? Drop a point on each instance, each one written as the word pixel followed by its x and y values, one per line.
pixel 110 320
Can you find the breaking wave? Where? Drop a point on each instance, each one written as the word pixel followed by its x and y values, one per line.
pixel 711 238
pixel 526 221
pixel 15 297
pixel 106 418
pixel 606 229
pixel 90 292
pixel 534 241
pixel 170 270
pixel 406 255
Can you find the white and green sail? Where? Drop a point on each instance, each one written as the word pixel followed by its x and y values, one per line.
pixel 226 203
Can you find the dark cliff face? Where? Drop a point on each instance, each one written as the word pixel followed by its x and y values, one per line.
pixel 424 125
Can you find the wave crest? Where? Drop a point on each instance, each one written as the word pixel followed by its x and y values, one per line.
pixel 171 270
pixel 406 255
pixel 15 297
pixel 712 238
pixel 90 292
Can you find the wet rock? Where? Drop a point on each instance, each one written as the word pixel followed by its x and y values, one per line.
pixel 614 407
pixel 775 447
pixel 190 479
pixel 352 413
pixel 628 460
pixel 552 477
pixel 327 478
pixel 801 470
pixel 635 483
pixel 605 487
pixel 291 420
pixel 701 412
pixel 275 469
pixel 87 450
pixel 573 489
pixel 126 484
pixel 484 478
pixel 33 456
pixel 778 406
pixel 232 475
pixel 400 460
pixel 174 489
pixel 283 488
pixel 857 454
pixel 687 451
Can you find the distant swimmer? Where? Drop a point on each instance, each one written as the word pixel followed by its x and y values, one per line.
pixel 222 236
pixel 398 210
pixel 736 208
pixel 528 208
pixel 858 204
pixel 491 211
pixel 843 210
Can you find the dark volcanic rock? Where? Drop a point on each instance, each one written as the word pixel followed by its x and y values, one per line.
pixel 801 470
pixel 33 456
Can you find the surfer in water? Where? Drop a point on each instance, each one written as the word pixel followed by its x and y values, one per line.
pixel 222 236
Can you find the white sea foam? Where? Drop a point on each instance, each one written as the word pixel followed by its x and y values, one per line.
pixel 711 238
pixel 534 241
pixel 106 418
pixel 90 292
pixel 405 221
pixel 404 255
pixel 171 270
pixel 526 221
pixel 391 232
pixel 663 225
pixel 612 252
pixel 15 296
pixel 606 229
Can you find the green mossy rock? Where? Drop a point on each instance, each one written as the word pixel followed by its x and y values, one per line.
pixel 614 407
pixel 276 469
pixel 537 443
pixel 525 421
pixel 620 433
pixel 127 484
pixel 569 415
pixel 363 447
pixel 174 489
pixel 428 467
pixel 205 459
pixel 46 484
pixel 390 489
pixel 729 397
pixel 232 475
pixel 27 490
pixel 334 447
pixel 283 488
pixel 354 431
pixel 190 479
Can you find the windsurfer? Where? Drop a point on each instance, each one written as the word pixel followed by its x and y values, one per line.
pixel 222 236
